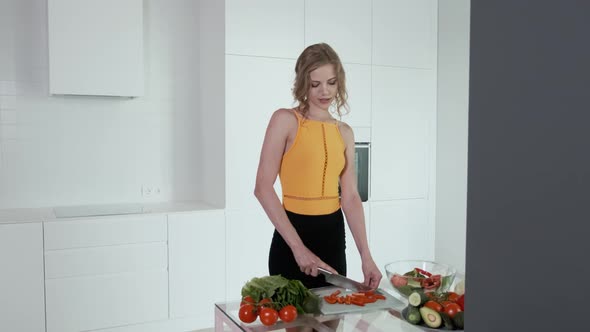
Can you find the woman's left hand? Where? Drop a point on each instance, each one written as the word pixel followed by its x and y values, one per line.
pixel 371 272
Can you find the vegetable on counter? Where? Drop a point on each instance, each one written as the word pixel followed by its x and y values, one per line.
pixel 272 297
pixel 357 298
pixel 436 310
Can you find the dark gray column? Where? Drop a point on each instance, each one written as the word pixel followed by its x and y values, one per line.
pixel 528 209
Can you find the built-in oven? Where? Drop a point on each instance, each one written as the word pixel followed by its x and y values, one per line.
pixel 362 158
pixel 362 165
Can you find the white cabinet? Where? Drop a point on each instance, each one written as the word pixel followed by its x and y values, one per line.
pixel 21 280
pixel 401 230
pixel 344 24
pixel 403 132
pixel 358 84
pixel 353 259
pixel 197 263
pixel 249 234
pixel 269 28
pixel 105 272
pixel 404 33
pixel 96 47
pixel 255 88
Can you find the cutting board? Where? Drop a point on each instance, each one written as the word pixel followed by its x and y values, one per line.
pixel 337 308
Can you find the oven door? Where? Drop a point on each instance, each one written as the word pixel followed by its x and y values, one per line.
pixel 362 164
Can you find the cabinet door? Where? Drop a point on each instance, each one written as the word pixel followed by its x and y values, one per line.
pixel 358 84
pixel 103 272
pixel 94 49
pixel 249 234
pixel 271 28
pixel 197 263
pixel 107 300
pixel 403 132
pixel 255 88
pixel 347 27
pixel 401 230
pixel 353 259
pixel 405 33
pixel 22 306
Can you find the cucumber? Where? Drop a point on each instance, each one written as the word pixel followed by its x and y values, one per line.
pixel 431 317
pixel 414 283
pixel 447 321
pixel 406 290
pixel 417 298
pixel 458 320
pixel 413 315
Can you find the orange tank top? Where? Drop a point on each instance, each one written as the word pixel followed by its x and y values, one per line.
pixel 310 169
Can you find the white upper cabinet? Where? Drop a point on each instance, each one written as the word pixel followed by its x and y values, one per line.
pixel 255 88
pixel 96 47
pixel 403 134
pixel 358 84
pixel 344 24
pixel 404 33
pixel 272 28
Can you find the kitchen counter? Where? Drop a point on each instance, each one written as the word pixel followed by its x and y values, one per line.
pixel 50 214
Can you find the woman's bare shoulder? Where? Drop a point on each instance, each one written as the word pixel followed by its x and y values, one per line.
pixel 346 131
pixel 284 117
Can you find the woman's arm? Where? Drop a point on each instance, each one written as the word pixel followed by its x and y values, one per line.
pixel 273 148
pixel 353 210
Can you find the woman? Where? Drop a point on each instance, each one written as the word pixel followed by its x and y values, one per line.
pixel 313 153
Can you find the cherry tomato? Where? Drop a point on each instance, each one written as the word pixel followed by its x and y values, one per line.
pixel 247 313
pixel 434 305
pixel 445 303
pixel 268 316
pixel 461 302
pixel 263 304
pixel 452 309
pixel 247 300
pixel 288 313
pixel 452 296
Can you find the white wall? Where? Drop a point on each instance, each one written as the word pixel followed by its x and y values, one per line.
pixel 57 150
pixel 452 121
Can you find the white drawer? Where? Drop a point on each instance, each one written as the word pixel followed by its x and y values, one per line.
pixel 104 231
pixel 89 303
pixel 106 260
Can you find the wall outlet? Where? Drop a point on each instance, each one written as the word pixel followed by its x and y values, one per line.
pixel 150 191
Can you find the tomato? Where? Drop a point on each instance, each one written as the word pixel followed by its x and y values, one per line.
pixel 445 303
pixel 288 313
pixel 247 313
pixel 434 305
pixel 452 296
pixel 398 281
pixel 452 309
pixel 247 300
pixel 263 303
pixel 461 302
pixel 268 316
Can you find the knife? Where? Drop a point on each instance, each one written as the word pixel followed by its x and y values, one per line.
pixel 342 281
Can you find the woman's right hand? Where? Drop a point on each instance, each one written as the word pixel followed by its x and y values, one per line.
pixel 308 262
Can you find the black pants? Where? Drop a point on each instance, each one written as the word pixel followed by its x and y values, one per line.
pixel 324 235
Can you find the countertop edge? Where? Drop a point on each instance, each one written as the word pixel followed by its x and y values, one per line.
pixel 46 214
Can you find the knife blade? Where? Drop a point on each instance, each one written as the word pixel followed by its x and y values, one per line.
pixel 342 281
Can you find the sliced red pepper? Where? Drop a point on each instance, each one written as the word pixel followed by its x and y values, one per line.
pixel 424 272
pixel 330 299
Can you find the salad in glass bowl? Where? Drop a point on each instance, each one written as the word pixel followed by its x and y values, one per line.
pixel 407 276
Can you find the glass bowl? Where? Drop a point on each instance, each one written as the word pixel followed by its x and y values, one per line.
pixel 407 276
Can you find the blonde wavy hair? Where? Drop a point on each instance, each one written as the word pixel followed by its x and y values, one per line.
pixel 313 57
